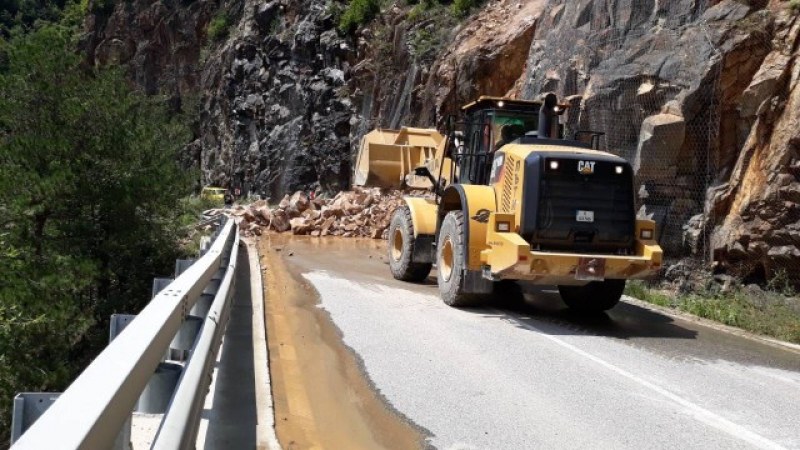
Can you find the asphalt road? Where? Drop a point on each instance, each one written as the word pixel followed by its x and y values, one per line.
pixel 538 377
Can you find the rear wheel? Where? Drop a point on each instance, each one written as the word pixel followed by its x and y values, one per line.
pixel 593 297
pixel 401 248
pixel 451 261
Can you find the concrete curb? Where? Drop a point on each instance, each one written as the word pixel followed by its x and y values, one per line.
pixel 676 314
pixel 266 438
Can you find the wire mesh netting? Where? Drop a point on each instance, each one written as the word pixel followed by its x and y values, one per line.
pixel 691 93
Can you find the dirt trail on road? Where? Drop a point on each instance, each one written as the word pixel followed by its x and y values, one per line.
pixel 322 397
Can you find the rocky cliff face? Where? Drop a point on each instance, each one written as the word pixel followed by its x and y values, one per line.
pixel 698 95
pixel 276 114
pixel 663 82
pixel 756 211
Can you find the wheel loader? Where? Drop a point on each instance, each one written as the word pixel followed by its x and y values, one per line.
pixel 512 202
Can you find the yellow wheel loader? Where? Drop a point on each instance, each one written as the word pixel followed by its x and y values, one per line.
pixel 512 201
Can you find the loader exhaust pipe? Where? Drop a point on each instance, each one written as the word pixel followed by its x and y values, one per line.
pixel 547 115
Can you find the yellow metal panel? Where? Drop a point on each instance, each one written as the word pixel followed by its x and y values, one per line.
pixel 423 214
pixel 478 198
pixel 506 248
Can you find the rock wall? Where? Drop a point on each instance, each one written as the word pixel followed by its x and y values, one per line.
pixel 699 95
pixel 662 80
pixel 756 212
pixel 286 97
pixel 276 114
pixel 482 55
pixel 159 41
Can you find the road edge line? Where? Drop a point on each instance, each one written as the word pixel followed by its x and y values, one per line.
pixel 266 436
pixel 692 409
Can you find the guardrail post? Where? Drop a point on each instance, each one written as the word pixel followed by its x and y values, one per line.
pixel 118 323
pixel 29 406
pixel 159 284
pixel 181 265
pixel 156 395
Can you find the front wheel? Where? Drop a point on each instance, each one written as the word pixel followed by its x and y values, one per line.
pixel 451 259
pixel 401 248
pixel 593 297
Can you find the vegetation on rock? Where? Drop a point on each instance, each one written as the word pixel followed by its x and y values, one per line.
pixel 218 27
pixel 357 13
pixel 773 311
pixel 462 8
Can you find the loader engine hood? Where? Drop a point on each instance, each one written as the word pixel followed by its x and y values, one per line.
pixel 579 203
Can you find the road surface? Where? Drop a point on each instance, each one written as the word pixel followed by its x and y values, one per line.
pixel 536 376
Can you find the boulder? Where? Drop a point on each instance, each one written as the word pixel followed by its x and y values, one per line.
pixel 300 225
pixel 660 141
pixel 298 202
pixel 280 221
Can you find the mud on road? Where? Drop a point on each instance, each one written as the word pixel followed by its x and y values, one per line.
pixel 322 397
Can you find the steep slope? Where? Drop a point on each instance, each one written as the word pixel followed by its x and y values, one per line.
pixel 699 95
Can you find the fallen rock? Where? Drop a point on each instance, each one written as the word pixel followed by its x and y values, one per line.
pixel 363 212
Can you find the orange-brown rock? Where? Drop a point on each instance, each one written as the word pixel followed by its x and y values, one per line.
pixel 756 214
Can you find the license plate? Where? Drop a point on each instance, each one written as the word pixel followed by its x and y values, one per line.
pixel 584 216
pixel 591 269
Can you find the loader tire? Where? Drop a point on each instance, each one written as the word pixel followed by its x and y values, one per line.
pixel 451 261
pixel 401 248
pixel 594 297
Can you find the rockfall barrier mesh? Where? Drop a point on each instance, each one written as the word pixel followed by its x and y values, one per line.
pixel 684 90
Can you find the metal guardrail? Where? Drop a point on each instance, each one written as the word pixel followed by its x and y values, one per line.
pixel 93 409
pixel 179 427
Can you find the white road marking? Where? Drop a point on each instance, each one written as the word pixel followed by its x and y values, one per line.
pixel 696 411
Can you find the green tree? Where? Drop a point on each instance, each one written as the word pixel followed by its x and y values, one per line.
pixel 88 189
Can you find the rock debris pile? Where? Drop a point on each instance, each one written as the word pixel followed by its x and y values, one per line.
pixel 357 213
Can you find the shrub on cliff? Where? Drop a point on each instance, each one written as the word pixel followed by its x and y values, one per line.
pixel 357 13
pixel 218 27
pixel 88 188
pixel 462 8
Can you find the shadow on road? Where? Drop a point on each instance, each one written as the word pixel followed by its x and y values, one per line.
pixel 543 308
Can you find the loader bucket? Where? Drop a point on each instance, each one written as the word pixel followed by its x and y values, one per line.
pixel 387 158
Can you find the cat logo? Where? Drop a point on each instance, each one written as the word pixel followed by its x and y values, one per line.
pixel 586 167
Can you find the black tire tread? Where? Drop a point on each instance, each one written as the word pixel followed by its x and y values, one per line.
pixel 452 292
pixel 405 269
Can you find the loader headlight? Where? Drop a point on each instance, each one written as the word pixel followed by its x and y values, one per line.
pixel 619 170
pixel 646 235
pixel 553 165
pixel 503 227
pixel 501 103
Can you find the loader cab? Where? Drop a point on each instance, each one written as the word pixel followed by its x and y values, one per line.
pixel 489 124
